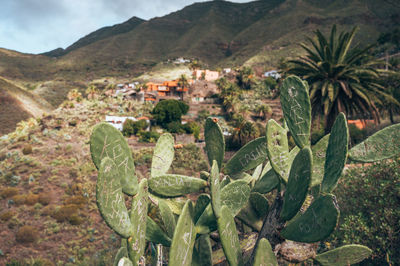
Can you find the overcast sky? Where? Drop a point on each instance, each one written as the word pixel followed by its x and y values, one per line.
pixel 36 26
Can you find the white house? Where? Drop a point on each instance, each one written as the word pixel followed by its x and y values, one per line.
pixel 118 121
pixel 272 73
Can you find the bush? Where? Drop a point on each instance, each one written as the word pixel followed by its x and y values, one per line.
pixel 175 127
pixel 27 149
pixel 149 136
pixel 168 111
pixel 369 199
pixel 131 127
pixel 9 192
pixel 27 234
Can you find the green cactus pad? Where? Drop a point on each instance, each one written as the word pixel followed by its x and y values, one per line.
pixel 257 172
pixel 345 255
pixel 266 183
pixel 336 154
pixel 259 203
pixel 249 216
pixel 106 141
pixel 125 262
pixel 382 145
pixel 110 199
pixel 264 254
pixel 316 224
pixel 138 215
pixel 215 189
pixel 248 157
pixel 184 237
pixel 235 195
pixel 175 185
pixel 319 153
pixel 278 149
pixel 225 181
pixel 298 183
pixel 122 252
pixel 201 204
pixel 204 175
pixel 296 109
pixel 215 143
pixel 163 155
pixel 167 217
pixel 229 237
pixel 155 234
pixel 202 253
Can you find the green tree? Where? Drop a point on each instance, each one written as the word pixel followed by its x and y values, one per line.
pixel 183 83
pixel 341 78
pixel 263 111
pixel 245 78
pixel 168 111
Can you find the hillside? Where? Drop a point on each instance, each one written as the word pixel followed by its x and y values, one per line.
pixel 218 33
pixel 18 104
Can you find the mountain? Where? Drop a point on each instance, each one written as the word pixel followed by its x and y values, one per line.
pixel 219 33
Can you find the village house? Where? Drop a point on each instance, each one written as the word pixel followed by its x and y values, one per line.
pixel 165 90
pixel 207 75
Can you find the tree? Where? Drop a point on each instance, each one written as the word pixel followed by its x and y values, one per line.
pixel 264 110
pixel 341 78
pixel 168 111
pixel 245 78
pixel 183 83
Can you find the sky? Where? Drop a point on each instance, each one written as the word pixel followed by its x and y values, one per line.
pixel 37 26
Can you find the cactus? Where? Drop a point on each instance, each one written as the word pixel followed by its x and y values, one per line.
pixel 298 183
pixel 229 237
pixel 215 143
pixel 384 144
pixel 248 157
pixel 163 155
pixel 296 108
pixel 106 141
pixel 184 237
pixel 302 173
pixel 175 185
pixel 264 254
pixel 345 255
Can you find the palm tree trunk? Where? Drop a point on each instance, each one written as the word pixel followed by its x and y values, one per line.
pixel 391 116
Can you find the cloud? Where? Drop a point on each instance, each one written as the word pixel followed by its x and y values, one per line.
pixel 37 26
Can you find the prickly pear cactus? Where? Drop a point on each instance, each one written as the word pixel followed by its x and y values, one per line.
pixel 175 185
pixel 215 190
pixel 106 141
pixel 163 155
pixel 215 143
pixel 110 199
pixel 345 255
pixel 264 254
pixel 384 144
pixel 296 108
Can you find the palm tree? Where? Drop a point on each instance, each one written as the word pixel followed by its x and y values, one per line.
pixel 183 83
pixel 245 78
pixel 341 78
pixel 263 111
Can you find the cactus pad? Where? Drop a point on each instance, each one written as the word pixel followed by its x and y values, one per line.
pixel 184 237
pixel 215 143
pixel 235 195
pixel 201 204
pixel 259 203
pixel 110 199
pixel 382 145
pixel 229 237
pixel 336 154
pixel 278 149
pixel 202 253
pixel 319 154
pixel 125 262
pixel 175 185
pixel 215 189
pixel 345 255
pixel 298 183
pixel 137 242
pixel 248 157
pixel 266 183
pixel 167 217
pixel 155 234
pixel 316 224
pixel 296 109
pixel 163 155
pixel 106 141
pixel 122 252
pixel 264 254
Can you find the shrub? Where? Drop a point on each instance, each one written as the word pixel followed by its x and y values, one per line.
pixel 175 127
pixel 19 199
pixel 131 127
pixel 369 199
pixel 149 136
pixel 7 215
pixel 9 192
pixel 27 234
pixel 31 199
pixel 66 213
pixel 27 149
pixel 44 198
pixel 169 111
